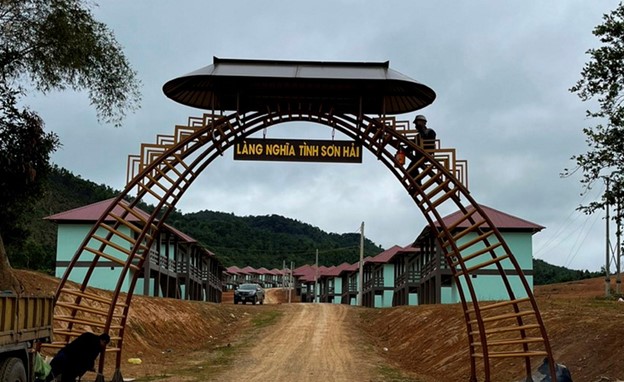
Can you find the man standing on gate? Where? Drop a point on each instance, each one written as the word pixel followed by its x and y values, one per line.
pixel 425 139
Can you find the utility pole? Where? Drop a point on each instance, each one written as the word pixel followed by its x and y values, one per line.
pixel 361 273
pixel 618 280
pixel 316 290
pixel 284 275
pixel 290 282
pixel 608 246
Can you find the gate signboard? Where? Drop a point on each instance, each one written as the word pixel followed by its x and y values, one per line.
pixel 295 150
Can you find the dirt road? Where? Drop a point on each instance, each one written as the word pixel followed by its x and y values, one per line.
pixel 311 342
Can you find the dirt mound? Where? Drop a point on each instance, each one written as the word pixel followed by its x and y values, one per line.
pixel 430 341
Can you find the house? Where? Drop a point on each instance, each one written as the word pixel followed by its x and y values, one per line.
pixel 305 278
pixel 178 266
pixel 379 279
pixel 349 281
pixel 424 276
pixel 232 277
pixel 331 283
pixel 406 277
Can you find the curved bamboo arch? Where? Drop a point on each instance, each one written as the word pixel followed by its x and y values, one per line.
pixel 512 328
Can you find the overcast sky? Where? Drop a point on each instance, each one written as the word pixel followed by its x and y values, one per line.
pixel 501 71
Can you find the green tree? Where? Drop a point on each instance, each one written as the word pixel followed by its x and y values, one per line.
pixel 50 45
pixel 602 81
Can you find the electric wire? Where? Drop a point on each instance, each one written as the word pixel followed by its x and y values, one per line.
pixel 573 254
pixel 564 226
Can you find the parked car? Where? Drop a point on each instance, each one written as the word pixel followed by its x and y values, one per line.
pixel 249 293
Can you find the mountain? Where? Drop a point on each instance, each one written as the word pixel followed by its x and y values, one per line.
pixel 268 241
pixel 545 273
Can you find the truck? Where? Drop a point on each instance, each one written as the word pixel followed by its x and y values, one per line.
pixel 25 322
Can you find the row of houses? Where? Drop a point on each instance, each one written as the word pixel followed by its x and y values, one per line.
pixel 418 273
pixel 274 278
pixel 179 267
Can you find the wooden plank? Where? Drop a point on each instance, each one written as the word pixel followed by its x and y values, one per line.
pixel 499 304
pixel 484 264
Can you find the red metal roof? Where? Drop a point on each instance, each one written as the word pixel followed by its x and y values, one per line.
pixel 301 270
pixel 92 212
pixel 277 272
pixel 249 270
pixel 306 273
pixel 501 220
pixel 386 255
pixel 233 269
pixel 335 271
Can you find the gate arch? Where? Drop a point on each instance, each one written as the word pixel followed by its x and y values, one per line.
pixel 507 329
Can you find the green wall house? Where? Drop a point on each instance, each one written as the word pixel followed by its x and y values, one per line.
pixel 178 266
pixel 379 278
pixel 349 277
pixel 426 279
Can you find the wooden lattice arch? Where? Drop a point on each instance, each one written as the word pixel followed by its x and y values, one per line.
pixel 508 329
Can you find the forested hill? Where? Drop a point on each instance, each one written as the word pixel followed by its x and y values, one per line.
pixel 268 241
pixel 258 241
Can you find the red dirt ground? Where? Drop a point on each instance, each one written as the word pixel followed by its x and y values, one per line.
pixel 428 343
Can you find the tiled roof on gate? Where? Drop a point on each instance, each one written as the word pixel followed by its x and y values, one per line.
pixel 501 220
pixel 92 213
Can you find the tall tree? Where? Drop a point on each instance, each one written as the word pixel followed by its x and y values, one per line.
pixel 602 81
pixel 50 45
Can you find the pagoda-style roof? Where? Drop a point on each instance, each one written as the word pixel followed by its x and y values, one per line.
pixel 342 87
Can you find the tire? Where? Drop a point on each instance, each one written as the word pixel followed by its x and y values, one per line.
pixel 12 370
pixel 235 302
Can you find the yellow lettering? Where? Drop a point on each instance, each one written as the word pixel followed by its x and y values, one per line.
pixel 308 151
pixel 249 149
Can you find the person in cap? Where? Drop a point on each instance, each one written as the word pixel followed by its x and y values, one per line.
pixel 77 357
pixel 426 139
pixel 426 136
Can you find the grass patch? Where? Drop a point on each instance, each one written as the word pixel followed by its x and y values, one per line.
pixel 209 365
pixel 266 318
pixel 390 374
